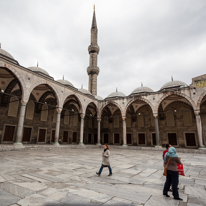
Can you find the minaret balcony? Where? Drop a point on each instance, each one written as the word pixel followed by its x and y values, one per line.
pixel 92 70
pixel 93 49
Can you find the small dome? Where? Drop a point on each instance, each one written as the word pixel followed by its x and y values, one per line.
pixel 5 53
pixel 65 82
pixel 38 70
pixel 116 94
pixel 173 84
pixel 98 98
pixel 85 91
pixel 142 89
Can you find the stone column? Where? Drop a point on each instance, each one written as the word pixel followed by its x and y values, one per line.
pixel 19 134
pixel 199 129
pixel 99 132
pixel 157 131
pixel 56 140
pixel 124 132
pixel 82 130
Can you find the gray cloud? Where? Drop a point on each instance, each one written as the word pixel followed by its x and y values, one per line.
pixel 140 41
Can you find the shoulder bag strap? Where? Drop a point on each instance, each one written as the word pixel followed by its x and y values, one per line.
pixel 168 162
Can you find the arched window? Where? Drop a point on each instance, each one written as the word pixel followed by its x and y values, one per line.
pixel 105 122
pixel 75 120
pixel 90 122
pixel 44 113
pixel 66 118
pixel 128 121
pixel 116 121
pixel 30 110
pixel 140 120
pixel 13 107
pixel 187 118
pixel 152 120
pixel 55 116
pixel 170 119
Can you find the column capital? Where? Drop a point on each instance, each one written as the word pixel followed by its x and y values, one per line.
pixel 124 118
pixel 155 115
pixel 99 119
pixel 59 110
pixel 23 102
pixel 82 115
pixel 197 113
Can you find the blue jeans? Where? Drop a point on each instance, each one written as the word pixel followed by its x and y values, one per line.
pixel 172 177
pixel 101 168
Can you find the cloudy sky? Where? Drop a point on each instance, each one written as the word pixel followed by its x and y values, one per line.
pixel 140 40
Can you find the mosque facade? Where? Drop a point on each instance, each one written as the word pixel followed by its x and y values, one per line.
pixel 36 109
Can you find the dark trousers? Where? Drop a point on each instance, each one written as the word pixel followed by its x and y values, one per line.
pixel 172 177
pixel 101 168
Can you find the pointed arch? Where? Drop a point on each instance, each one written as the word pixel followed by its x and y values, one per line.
pixel 142 99
pixel 108 103
pixel 177 94
pixel 44 82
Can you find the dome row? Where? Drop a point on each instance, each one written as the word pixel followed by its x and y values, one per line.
pixel 138 90
pixel 171 84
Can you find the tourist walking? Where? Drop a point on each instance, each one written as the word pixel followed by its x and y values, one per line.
pixel 172 160
pixel 105 161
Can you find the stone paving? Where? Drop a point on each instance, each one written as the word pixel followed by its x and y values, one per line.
pixel 67 177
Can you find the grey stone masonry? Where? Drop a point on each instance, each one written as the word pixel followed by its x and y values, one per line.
pixel 93 49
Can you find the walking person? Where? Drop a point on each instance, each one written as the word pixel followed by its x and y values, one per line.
pixel 105 161
pixel 172 173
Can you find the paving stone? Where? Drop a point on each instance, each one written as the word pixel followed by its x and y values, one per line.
pixel 16 189
pixel 118 192
pixel 49 177
pixel 196 192
pixel 161 201
pixel 7 198
pixel 36 200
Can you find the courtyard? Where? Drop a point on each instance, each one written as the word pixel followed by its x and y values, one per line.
pixel 48 176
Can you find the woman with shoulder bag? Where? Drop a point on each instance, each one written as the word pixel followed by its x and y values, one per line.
pixel 105 161
pixel 171 160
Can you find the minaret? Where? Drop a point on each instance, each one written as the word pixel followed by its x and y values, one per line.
pixel 93 49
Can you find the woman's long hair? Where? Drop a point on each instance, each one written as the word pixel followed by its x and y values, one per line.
pixel 106 146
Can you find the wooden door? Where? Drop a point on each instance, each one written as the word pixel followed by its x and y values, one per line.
pixel 26 134
pixel 74 139
pixel 154 139
pixel 141 138
pixel 172 138
pixel 95 138
pixel 106 138
pixel 42 135
pixel 65 136
pixel 190 139
pixel 129 138
pixel 89 138
pixel 9 133
pixel 116 138
pixel 53 136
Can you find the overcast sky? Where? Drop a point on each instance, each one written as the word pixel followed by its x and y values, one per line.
pixel 140 40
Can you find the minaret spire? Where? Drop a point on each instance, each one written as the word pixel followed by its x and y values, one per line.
pixel 93 69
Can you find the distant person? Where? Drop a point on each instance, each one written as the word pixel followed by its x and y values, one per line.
pixel 105 161
pixel 165 151
pixel 172 173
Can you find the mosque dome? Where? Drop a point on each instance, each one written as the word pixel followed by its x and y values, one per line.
pixel 37 69
pixel 5 53
pixel 98 98
pixel 172 84
pixel 65 82
pixel 85 91
pixel 116 94
pixel 142 89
